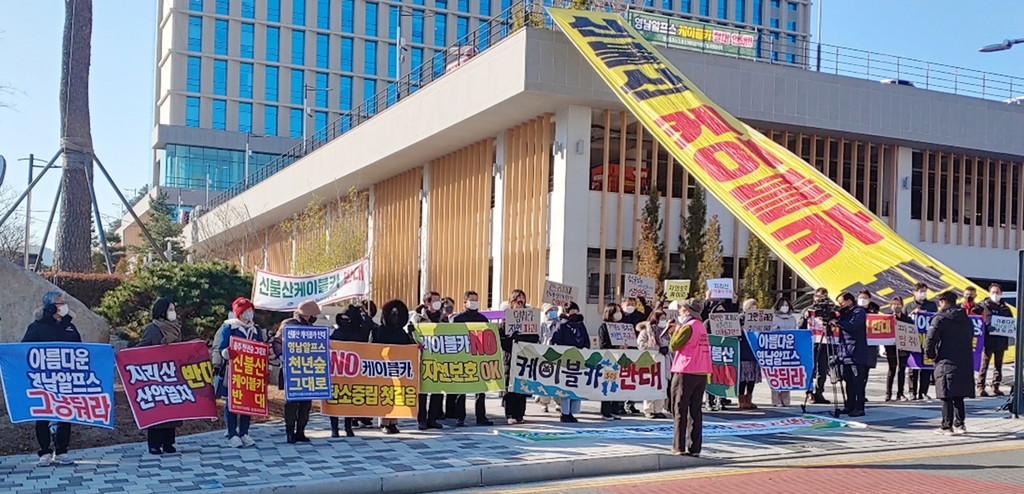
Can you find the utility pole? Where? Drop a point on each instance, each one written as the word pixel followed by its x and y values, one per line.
pixel 306 88
pixel 28 206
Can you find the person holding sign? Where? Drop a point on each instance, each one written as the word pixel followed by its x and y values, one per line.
pixel 864 302
pixel 691 366
pixel 782 319
pixel 897 359
pixel 570 331
pixel 349 326
pixel 920 379
pixel 995 346
pixel 164 330
pixel 750 372
pixel 852 352
pixel 653 336
pixel 612 315
pixel 296 413
pixel 242 327
pixel 471 302
pixel 394 319
pixel 949 344
pixel 53 323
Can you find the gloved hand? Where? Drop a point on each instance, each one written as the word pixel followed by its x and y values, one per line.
pixel 663 350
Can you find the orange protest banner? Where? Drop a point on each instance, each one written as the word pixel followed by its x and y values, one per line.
pixel 369 380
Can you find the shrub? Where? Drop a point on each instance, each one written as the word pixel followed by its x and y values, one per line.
pixel 88 288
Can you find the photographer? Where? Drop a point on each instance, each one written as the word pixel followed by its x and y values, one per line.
pixel 821 349
pixel 852 352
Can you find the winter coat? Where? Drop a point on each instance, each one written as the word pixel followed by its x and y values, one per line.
pixel 603 336
pixel 926 306
pixel 635 318
pixel 46 328
pixel 949 344
pixel 508 340
pixel 469 316
pixel 152 336
pixel 784 321
pixel 746 353
pixel 853 336
pixel 352 327
pixel 232 327
pixel 217 357
pixel 989 308
pixel 570 331
pixel 872 308
pixel 424 315
pixel 649 339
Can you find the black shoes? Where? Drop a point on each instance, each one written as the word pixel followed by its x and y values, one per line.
pixel 568 419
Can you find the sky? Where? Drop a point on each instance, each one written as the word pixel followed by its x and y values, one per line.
pixel 121 79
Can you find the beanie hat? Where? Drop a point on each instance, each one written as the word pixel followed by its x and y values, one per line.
pixel 308 308
pixel 240 305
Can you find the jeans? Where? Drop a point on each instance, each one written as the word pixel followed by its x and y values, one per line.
pixel 952 413
pixel 60 440
pixel 687 396
pixel 855 377
pixel 997 372
pixel 238 425
pixel 897 370
pixel 570 406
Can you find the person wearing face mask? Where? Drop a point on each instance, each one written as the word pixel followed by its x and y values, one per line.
pixel 995 346
pixel 240 327
pixel 612 314
pixel 570 331
pixel 897 359
pixel 822 350
pixel 296 413
pixel 653 336
pixel 53 323
pixel 864 302
pixel 750 372
pixel 949 344
pixel 852 352
pixel 447 309
pixel 471 313
pixel 633 312
pixel 970 305
pixel 515 403
pixel 691 366
pixel 164 330
pixel 349 326
pixel 782 319
pixel 392 331
pixel 920 379
pixel 431 311
pixel 548 325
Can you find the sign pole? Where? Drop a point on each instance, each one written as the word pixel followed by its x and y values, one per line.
pixel 1018 365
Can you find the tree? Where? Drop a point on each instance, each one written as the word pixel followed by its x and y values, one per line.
pixel 691 241
pixel 73 252
pixel 710 266
pixel 12 232
pixel 329 235
pixel 651 251
pixel 757 276
pixel 161 225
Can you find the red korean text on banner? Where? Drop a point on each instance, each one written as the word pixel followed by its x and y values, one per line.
pixel 168 383
pixel 247 377
pixel 881 329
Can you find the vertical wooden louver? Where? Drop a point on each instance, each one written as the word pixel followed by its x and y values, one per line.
pixel 396 237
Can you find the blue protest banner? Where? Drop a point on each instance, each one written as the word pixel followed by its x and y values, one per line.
pixel 786 357
pixel 62 382
pixel 923 321
pixel 305 362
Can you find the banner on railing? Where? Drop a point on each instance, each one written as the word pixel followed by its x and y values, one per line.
pixel 284 293
pixel 693 35
pixel 585 374
pixel 168 383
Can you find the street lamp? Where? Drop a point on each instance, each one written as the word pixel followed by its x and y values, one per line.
pixel 1005 45
pixel 28 202
pixel 306 88
pixel 247 152
pixel 402 12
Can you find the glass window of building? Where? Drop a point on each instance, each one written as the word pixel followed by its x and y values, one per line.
pixel 723 9
pixel 348 12
pixel 775 4
pixel 295 123
pixel 392 22
pixel 371 19
pixel 774 22
pixel 741 10
pixel 484 39
pixel 392 94
pixel 271 83
pixel 321 90
pixel 791 6
pixel 220 37
pixel 220 114
pixel 270 120
pixel 370 57
pixel 299 12
pixel 246 42
pixel 273 44
pixel 790 49
pixel 298 48
pixel 249 9
pixel 417 26
pixel 194 77
pixel 415 60
pixel 441 4
pixel 464 6
pixel 273 10
pixel 705 7
pixel 346 54
pixel 223 7
pixel 438 64
pixel 345 93
pixel 461 28
pixel 440 30
pixel 758 6
pixel 369 91
pixel 417 2
pixel 485 7
pixel 196 5
pixel 323 49
pixel 192 111
pixel 297 86
pixel 220 77
pixel 684 5
pixel 791 25
pixel 323 14
pixel 245 117
pixel 245 80
pixel 195 33
pixel 392 69
pixel 320 123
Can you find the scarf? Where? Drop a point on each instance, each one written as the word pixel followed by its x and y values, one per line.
pixel 170 330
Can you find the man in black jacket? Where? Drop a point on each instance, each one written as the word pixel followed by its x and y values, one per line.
pixel 457 403
pixel 949 345
pixel 53 323
pixel 430 408
pixel 995 346
pixel 852 352
pixel 350 326
pixel 920 379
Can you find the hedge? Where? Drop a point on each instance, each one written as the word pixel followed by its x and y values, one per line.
pixel 89 288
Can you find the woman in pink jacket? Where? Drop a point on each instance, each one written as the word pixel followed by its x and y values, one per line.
pixel 691 365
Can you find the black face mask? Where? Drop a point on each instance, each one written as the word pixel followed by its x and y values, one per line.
pixel 970 299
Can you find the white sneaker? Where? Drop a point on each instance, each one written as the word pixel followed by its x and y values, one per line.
pixel 45 460
pixel 247 441
pixel 544 409
pixel 943 432
pixel 959 431
pixel 235 442
pixel 63 460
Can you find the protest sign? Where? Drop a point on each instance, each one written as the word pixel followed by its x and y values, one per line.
pixel 786 358
pixel 284 293
pixel 559 294
pixel 585 374
pixel 759 320
pixel 640 286
pixel 818 330
pixel 1003 326
pixel 63 382
pixel 721 288
pixel 247 377
pixel 906 337
pixel 725 324
pixel 460 358
pixel 369 380
pixel 305 363
pixel 166 383
pixel 677 289
pixel 522 321
pixel 621 334
pixel 725 366
pixel 923 321
pixel 881 329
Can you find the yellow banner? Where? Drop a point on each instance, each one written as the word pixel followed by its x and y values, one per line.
pixel 812 224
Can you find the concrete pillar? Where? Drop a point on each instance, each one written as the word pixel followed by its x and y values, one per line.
pixel 369 239
pixel 498 220
pixel 424 229
pixel 905 226
pixel 569 215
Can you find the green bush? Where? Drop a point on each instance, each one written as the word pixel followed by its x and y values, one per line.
pixel 88 288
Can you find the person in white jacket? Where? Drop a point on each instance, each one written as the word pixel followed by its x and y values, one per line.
pixel 549 321
pixel 651 336
pixel 783 319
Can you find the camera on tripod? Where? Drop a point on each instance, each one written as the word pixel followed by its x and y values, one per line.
pixel 826 311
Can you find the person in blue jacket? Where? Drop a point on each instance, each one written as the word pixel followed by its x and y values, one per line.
pixel 570 331
pixel 852 352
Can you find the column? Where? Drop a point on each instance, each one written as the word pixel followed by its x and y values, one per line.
pixel 905 226
pixel 569 213
pixel 498 221
pixel 424 229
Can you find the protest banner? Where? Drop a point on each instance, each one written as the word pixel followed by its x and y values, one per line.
pixel 923 321
pixel 559 294
pixel 460 358
pixel 247 377
pixel 1003 326
pixel 725 324
pixel 305 363
pixel 168 382
pixel 63 382
pixel 674 32
pixel 640 286
pixel 370 380
pixel 759 320
pixel 522 321
pixel 586 374
pixel 907 339
pixel 621 334
pixel 818 330
pixel 881 329
pixel 677 289
pixel 283 293
pixel 725 366
pixel 786 358
pixel 720 289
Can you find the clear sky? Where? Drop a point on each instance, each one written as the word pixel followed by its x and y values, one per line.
pixel 121 92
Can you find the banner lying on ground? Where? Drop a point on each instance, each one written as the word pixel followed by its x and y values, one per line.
pixel 923 321
pixel 168 382
pixel 284 293
pixel 792 425
pixel 247 377
pixel 692 35
pixel 812 224
pixel 369 380
pixel 460 358
pixel 305 363
pixel 64 382
pixel 725 366
pixel 786 358
pixel 601 375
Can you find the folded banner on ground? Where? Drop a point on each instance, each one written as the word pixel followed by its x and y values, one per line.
pixel 305 363
pixel 284 293
pixel 881 329
pixel 923 321
pixel 168 382
pixel 786 358
pixel 460 358
pixel 585 374
pixel 725 366
pixel 369 380
pixel 247 377
pixel 63 382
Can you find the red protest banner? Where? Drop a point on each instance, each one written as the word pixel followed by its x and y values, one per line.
pixel 247 377
pixel 168 383
pixel 881 329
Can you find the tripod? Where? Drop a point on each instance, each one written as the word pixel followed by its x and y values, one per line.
pixel 834 377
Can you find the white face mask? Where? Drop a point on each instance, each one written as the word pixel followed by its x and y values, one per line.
pixel 62 310
pixel 662 324
pixel 920 296
pixel 172 316
pixel 247 316
pixel 682 318
pixel 995 297
pixel 863 302
pixel 629 309
pixel 617 317
pixel 784 309
pixel 436 305
pixel 473 305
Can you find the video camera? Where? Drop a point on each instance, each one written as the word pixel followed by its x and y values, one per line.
pixel 825 310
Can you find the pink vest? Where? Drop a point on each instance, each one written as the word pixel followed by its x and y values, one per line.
pixel 695 356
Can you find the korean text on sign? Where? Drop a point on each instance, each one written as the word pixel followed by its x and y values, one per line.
pixel 881 329
pixel 785 358
pixel 759 320
pixel 906 337
pixel 721 289
pixel 460 358
pixel 677 289
pixel 725 366
pixel 168 383
pixel 1003 326
pixel 640 286
pixel 279 292
pixel 305 359
pixel 522 321
pixel 64 382
pixel 247 377
pixel 372 380
pixel 621 334
pixel 559 294
pixel 568 372
pixel 725 324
